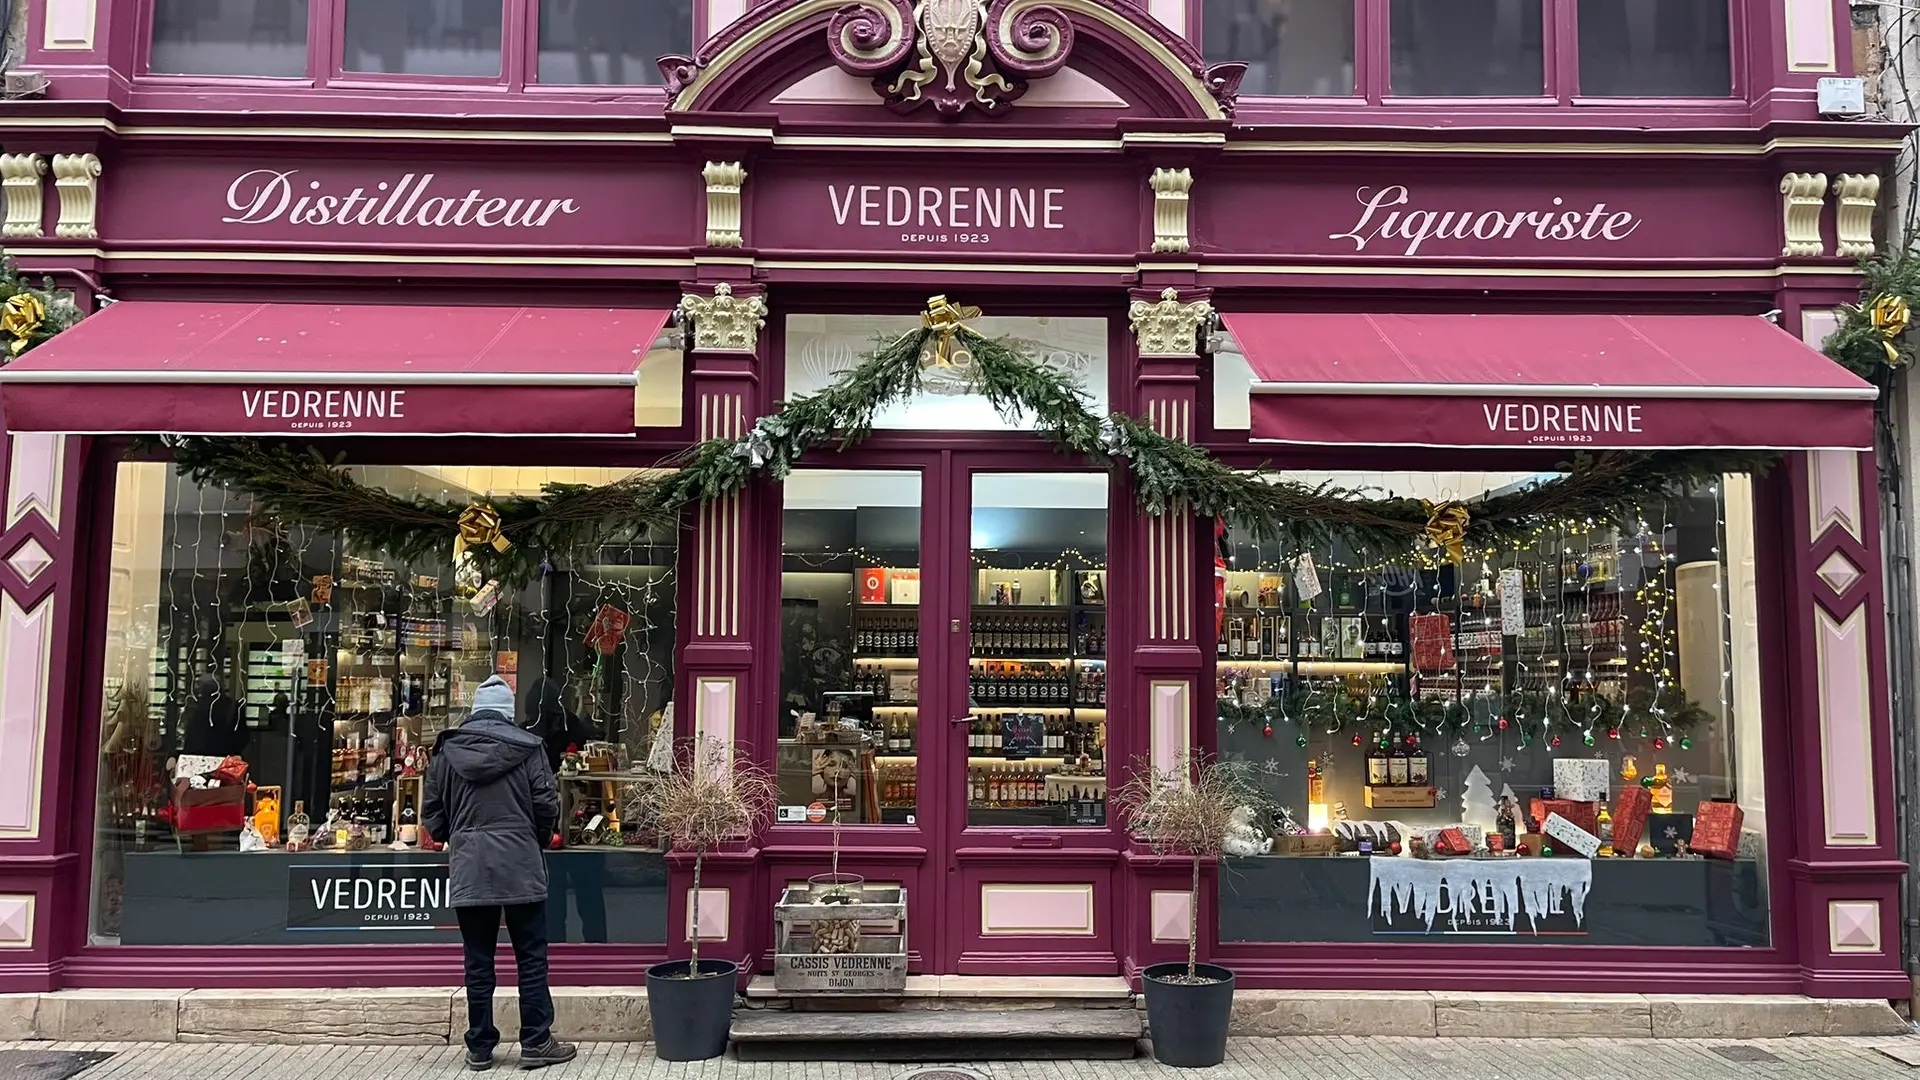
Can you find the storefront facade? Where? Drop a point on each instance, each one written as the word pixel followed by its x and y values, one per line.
pixel 1427 287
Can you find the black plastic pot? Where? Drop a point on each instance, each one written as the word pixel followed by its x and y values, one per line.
pixel 692 1018
pixel 1188 1023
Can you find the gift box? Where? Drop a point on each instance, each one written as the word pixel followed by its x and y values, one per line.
pixel 1452 842
pixel 1716 828
pixel 1432 636
pixel 1584 814
pixel 1667 832
pixel 1581 779
pixel 1630 819
pixel 231 771
pixel 205 810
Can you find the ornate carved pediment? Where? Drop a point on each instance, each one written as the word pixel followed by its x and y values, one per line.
pixel 953 55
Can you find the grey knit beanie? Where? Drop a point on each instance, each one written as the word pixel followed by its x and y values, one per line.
pixel 494 696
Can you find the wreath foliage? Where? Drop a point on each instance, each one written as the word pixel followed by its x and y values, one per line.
pixel 298 484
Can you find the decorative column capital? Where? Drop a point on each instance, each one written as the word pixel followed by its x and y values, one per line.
pixel 76 179
pixel 724 322
pixel 725 182
pixel 1857 195
pixel 20 178
pixel 1169 326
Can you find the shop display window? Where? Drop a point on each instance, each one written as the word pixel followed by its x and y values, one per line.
pixel 1302 48
pixel 610 41
pixel 265 38
pixel 1558 741
pixel 272 695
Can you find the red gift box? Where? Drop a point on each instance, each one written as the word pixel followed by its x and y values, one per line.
pixel 1716 828
pixel 204 810
pixel 1453 842
pixel 1584 814
pixel 1630 809
pixel 1432 642
pixel 1536 813
pixel 232 772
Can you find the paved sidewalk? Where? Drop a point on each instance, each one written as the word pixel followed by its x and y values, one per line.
pixel 1332 1058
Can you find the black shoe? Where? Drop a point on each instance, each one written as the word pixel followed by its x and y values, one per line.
pixel 479 1062
pixel 554 1052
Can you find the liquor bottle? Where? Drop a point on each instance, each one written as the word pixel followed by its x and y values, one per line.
pixel 1398 765
pixel 1316 785
pixel 1418 766
pixel 1662 789
pixel 1376 765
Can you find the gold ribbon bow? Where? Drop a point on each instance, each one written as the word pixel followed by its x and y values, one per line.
pixel 1447 528
pixel 21 316
pixel 946 319
pixel 1890 316
pixel 479 525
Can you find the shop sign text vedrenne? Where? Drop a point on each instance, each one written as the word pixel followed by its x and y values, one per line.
pixel 962 214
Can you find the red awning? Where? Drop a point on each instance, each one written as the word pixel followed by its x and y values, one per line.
pixel 1583 381
pixel 316 369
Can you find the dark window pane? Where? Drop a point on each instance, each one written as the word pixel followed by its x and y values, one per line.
pixel 611 41
pixel 424 37
pixel 1297 48
pixel 230 37
pixel 1460 48
pixel 1655 48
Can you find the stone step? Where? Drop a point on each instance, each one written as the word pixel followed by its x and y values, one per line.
pixel 937 1035
pixel 965 992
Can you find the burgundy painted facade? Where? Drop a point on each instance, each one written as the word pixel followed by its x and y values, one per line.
pixel 1679 209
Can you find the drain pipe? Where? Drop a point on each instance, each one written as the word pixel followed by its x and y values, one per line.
pixel 1897 560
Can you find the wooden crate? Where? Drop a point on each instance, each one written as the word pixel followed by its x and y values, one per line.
pixel 877 969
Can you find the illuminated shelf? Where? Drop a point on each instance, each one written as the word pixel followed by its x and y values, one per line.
pixel 1324 667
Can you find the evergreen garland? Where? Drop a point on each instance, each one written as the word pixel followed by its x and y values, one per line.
pixel 1529 714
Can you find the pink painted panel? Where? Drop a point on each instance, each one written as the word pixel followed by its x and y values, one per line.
pixel 1810 44
pixel 716 914
pixel 956 209
pixel 70 23
pixel 1846 727
pixel 1171 915
pixel 315 200
pixel 1036 909
pixel 1169 717
pixel 33 476
pixel 1397 214
pixel 713 710
pixel 23 700
pixel 1833 484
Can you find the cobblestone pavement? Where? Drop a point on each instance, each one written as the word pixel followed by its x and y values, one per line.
pixel 1332 1058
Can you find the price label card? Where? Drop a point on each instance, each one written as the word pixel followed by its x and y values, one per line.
pixel 1306 578
pixel 1513 603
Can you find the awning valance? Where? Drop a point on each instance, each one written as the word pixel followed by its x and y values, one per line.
pixel 1577 381
pixel 316 369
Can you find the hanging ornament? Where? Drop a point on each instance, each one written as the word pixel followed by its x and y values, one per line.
pixel 1267 730
pixel 1556 741
pixel 1613 733
pixel 1300 739
pixel 1686 743
pixel 1413 740
pixel 1587 737
pixel 1503 723
pixel 1356 740
pixel 1659 743
pixel 1461 749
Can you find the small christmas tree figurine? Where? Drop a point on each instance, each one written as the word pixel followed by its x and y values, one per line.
pixel 1476 801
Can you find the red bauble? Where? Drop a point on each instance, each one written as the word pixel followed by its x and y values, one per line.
pixel 1413 740
pixel 1659 743
pixel 1613 733
pixel 1556 740
pixel 1394 847
pixel 557 843
pixel 1503 723
pixel 1267 730
pixel 1356 740
pixel 1520 849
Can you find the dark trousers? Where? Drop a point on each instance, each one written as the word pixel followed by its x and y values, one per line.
pixel 480 933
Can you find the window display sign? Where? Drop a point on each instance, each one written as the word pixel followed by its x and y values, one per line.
pixel 348 896
pixel 1506 896
pixel 1022 735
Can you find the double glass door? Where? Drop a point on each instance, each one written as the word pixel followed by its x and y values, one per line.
pixel 943 672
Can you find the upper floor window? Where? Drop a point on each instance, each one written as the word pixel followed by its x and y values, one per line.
pixel 516 42
pixel 1475 48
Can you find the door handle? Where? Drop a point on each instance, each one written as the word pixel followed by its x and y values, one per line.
pixel 967 719
pixel 1036 841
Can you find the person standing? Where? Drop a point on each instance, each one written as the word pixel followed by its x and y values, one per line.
pixel 491 796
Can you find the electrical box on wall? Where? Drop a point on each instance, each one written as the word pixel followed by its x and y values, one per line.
pixel 1843 97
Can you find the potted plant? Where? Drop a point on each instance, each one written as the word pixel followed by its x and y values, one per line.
pixel 711 795
pixel 1186 812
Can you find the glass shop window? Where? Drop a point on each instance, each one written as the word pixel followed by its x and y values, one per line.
pixel 272 696
pixel 1467 48
pixel 821 347
pixel 610 41
pixel 1293 48
pixel 1439 746
pixel 230 37
pixel 849 648
pixel 446 38
pixel 1655 48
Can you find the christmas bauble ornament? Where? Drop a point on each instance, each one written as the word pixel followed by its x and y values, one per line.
pixel 1587 738
pixel 1356 740
pixel 1521 849
pixel 1613 733
pixel 1659 743
pixel 1300 739
pixel 1686 743
pixel 1267 730
pixel 1647 782
pixel 1503 723
pixel 1556 740
pixel 1394 847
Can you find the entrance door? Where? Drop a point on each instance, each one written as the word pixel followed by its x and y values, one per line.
pixel 1028 851
pixel 943 703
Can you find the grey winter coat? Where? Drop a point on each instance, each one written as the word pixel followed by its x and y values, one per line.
pixel 491 797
